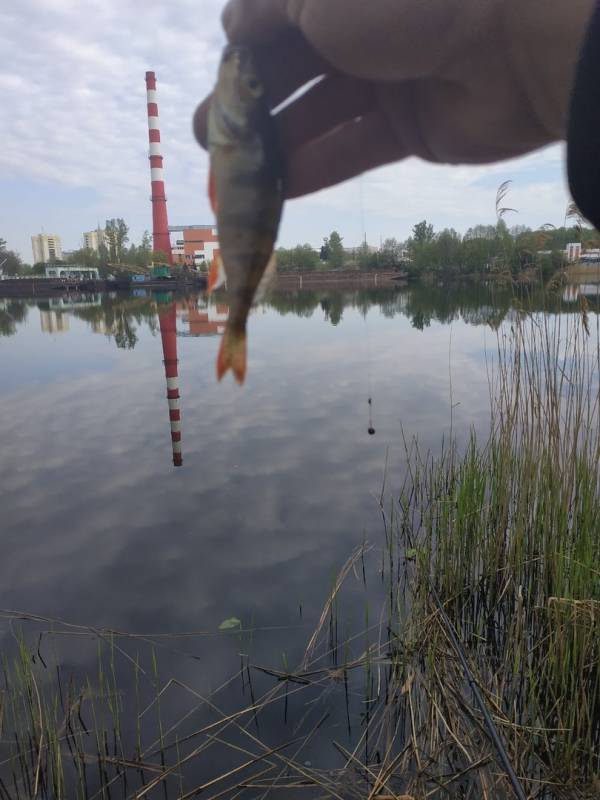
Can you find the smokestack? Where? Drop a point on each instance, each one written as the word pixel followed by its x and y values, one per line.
pixel 168 333
pixel 160 222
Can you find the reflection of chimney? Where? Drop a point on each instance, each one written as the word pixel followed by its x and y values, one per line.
pixel 167 317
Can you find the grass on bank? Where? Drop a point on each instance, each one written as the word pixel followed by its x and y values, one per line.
pixel 506 533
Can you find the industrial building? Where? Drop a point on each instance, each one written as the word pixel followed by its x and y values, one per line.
pixel 46 247
pixel 197 247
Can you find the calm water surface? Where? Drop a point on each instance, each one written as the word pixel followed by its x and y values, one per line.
pixel 280 478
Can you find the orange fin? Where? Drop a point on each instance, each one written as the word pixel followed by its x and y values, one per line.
pixel 212 191
pixel 232 355
pixel 267 279
pixel 216 274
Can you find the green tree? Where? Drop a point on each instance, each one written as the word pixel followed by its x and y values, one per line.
pixel 117 235
pixel 422 233
pixel 390 254
pixel 302 258
pixel 144 251
pixel 10 262
pixel 337 256
pixel 420 247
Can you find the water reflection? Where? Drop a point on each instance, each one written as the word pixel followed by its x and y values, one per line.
pixel 118 316
pixel 280 478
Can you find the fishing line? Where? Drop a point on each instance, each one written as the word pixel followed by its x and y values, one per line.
pixel 361 208
pixel 370 429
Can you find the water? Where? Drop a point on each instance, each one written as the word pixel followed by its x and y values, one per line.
pixel 279 483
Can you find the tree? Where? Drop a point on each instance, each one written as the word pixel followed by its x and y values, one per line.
pixel 390 253
pixel 337 256
pixel 10 262
pixel 324 252
pixel 85 257
pixel 144 251
pixel 117 235
pixel 420 246
pixel 422 233
pixel 302 258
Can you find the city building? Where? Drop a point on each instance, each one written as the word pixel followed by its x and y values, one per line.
pixel 93 239
pixel 573 251
pixel 46 247
pixel 197 245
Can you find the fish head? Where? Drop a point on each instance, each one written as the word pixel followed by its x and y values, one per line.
pixel 241 90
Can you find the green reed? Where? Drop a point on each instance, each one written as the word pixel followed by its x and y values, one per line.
pixel 504 530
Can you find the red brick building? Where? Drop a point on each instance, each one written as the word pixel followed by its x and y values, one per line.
pixel 195 246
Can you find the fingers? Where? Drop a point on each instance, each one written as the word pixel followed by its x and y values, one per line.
pixel 332 102
pixel 285 64
pixel 343 153
pixel 255 21
pixel 378 40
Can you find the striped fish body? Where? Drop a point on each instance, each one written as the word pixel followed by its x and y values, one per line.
pixel 246 191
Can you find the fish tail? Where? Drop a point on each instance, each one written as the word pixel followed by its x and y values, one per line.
pixel 232 355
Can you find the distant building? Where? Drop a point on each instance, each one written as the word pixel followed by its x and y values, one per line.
pixel 593 254
pixel 197 247
pixel 573 251
pixel 72 271
pixel 46 247
pixel 92 240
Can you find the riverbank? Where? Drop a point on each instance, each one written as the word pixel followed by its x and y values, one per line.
pixel 340 279
pixel 56 287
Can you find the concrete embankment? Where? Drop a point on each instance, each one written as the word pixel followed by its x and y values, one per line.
pixel 342 279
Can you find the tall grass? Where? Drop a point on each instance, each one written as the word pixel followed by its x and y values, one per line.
pixel 503 534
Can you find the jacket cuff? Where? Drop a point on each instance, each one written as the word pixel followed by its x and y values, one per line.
pixel 583 135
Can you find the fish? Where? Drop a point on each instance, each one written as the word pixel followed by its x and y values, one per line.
pixel 246 192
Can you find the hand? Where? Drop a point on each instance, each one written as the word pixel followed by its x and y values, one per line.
pixel 450 81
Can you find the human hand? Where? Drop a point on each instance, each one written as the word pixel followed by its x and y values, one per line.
pixel 450 81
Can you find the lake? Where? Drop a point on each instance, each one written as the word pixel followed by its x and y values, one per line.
pixel 279 484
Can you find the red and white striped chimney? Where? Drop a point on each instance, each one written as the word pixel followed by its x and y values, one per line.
pixel 167 316
pixel 160 222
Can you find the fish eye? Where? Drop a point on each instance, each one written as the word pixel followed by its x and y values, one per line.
pixel 254 85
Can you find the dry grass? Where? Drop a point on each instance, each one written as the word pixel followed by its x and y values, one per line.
pixel 503 537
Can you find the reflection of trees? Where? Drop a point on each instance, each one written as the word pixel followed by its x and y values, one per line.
pixel 424 303
pixel 12 312
pixel 301 303
pixel 118 317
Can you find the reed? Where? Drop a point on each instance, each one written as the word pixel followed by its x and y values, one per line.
pixel 487 639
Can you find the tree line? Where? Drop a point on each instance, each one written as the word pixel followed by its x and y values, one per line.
pixel 483 248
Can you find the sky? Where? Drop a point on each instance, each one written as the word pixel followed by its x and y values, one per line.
pixel 74 136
